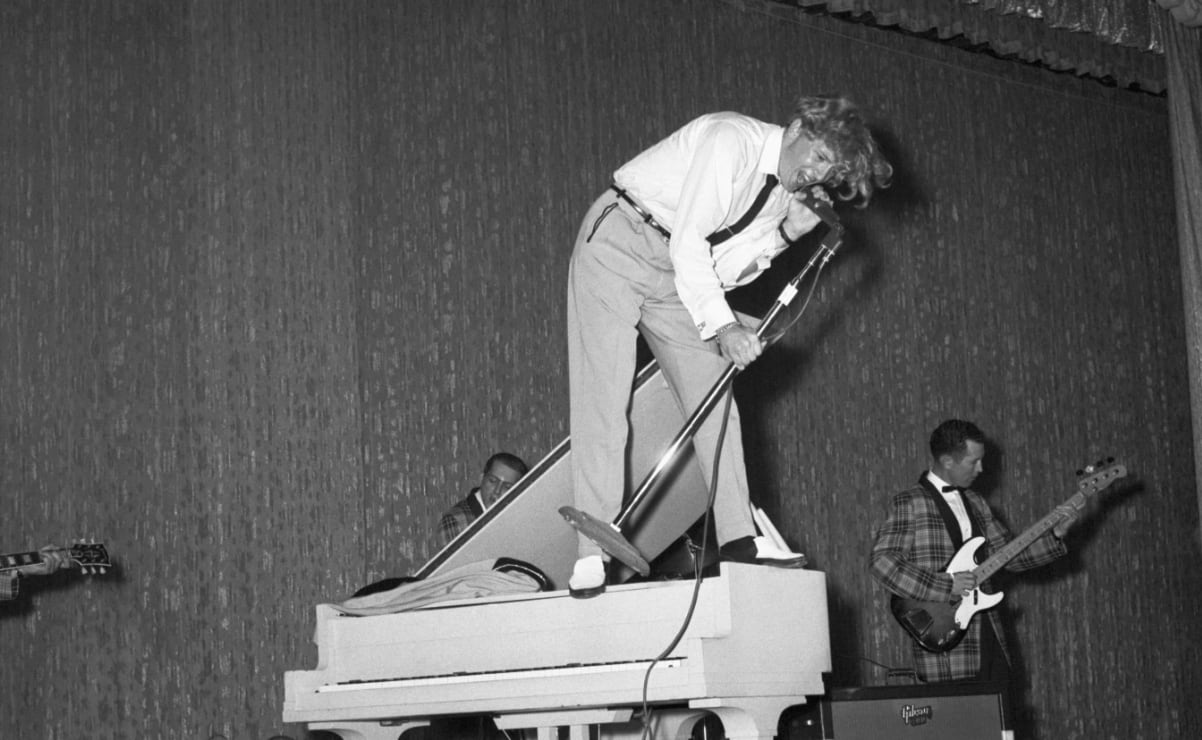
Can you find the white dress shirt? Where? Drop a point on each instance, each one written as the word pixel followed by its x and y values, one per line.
pixel 956 501
pixel 703 177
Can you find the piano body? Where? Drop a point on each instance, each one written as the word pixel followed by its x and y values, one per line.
pixel 757 640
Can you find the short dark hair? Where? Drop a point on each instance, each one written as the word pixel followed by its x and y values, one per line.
pixel 507 459
pixel 837 122
pixel 952 436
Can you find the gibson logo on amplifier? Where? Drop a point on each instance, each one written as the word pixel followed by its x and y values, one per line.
pixel 914 716
pixel 949 711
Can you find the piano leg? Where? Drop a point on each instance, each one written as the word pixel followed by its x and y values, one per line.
pixel 368 730
pixel 748 718
pixel 575 732
pixel 577 721
pixel 666 724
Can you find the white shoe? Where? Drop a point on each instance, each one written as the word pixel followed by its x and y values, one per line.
pixel 588 577
pixel 759 551
pixel 769 554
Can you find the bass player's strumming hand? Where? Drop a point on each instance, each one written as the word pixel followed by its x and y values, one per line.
pixel 963 583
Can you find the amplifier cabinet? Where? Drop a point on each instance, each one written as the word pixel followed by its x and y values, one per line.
pixel 952 711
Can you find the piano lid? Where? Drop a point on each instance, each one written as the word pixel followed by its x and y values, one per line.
pixel 526 524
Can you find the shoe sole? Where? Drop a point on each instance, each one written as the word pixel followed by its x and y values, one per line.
pixel 792 563
pixel 586 593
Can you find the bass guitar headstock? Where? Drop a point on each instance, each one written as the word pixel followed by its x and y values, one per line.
pixel 1094 478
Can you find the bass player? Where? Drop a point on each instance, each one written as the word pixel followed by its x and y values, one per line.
pixel 926 525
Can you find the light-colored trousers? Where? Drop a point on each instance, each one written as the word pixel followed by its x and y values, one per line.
pixel 621 282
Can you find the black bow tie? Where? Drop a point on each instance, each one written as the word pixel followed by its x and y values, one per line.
pixel 957 489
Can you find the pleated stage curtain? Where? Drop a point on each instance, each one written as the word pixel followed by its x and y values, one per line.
pixel 1115 40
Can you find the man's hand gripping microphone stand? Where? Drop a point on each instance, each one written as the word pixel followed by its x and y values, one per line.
pixel 608 536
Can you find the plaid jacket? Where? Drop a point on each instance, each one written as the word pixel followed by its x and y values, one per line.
pixel 459 516
pixel 911 551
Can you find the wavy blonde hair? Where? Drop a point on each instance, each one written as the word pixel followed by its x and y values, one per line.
pixel 860 167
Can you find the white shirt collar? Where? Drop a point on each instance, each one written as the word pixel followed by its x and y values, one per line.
pixel 770 157
pixel 938 482
pixel 956 502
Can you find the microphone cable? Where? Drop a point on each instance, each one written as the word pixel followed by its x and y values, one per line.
pixel 829 245
pixel 773 337
pixel 698 567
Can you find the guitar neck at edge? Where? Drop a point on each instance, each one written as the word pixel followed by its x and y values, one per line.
pixel 14 560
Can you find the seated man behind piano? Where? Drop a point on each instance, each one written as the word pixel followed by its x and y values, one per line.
pixel 501 471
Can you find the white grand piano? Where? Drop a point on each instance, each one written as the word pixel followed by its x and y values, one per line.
pixel 756 642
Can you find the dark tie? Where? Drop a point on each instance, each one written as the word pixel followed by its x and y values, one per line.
pixel 957 489
pixel 727 232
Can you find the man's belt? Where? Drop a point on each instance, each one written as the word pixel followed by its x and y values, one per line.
pixel 718 236
pixel 642 212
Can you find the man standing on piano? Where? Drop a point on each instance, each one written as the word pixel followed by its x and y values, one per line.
pixel 698 214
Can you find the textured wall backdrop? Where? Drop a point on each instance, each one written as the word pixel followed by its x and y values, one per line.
pixel 276 277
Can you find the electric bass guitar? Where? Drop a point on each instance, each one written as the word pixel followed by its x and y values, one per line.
pixel 90 557
pixel 938 626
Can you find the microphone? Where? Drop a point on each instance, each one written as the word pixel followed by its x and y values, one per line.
pixel 819 206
